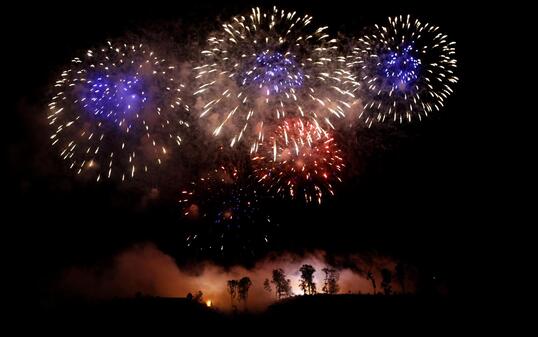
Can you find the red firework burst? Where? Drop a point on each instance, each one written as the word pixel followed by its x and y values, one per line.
pixel 299 158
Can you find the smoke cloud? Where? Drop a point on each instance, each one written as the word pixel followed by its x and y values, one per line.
pixel 146 270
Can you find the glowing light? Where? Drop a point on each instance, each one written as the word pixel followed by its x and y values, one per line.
pixel 112 99
pixel 400 68
pixel 273 73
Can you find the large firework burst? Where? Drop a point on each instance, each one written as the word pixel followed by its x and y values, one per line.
pixel 116 111
pixel 265 64
pixel 299 159
pixel 225 215
pixel 403 70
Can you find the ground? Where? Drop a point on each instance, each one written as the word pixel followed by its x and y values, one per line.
pixel 351 313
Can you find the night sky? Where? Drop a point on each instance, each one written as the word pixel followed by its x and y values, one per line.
pixel 407 198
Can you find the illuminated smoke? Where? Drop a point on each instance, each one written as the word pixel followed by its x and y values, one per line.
pixel 147 270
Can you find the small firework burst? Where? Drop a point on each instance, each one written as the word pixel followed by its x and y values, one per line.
pixel 225 213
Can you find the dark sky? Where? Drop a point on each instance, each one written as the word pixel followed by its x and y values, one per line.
pixel 409 201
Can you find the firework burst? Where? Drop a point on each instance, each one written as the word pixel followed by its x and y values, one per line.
pixel 265 64
pixel 300 160
pixel 116 111
pixel 403 70
pixel 225 212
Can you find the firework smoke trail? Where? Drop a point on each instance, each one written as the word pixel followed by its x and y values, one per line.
pixel 116 112
pixel 145 269
pixel 260 67
pixel 226 212
pixel 403 70
pixel 299 158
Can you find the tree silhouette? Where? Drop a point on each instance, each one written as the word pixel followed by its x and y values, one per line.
pixel 233 286
pixel 198 296
pixel 386 280
pixel 330 285
pixel 267 285
pixel 400 275
pixel 307 284
pixel 370 276
pixel 282 285
pixel 244 285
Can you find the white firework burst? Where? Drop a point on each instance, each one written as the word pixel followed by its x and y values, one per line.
pixel 266 66
pixel 117 111
pixel 403 71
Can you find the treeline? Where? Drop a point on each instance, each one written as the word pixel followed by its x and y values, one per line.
pixel 280 284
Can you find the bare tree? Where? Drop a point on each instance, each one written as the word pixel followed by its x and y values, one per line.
pixel 198 296
pixel 233 286
pixel 307 284
pixel 370 276
pixel 386 281
pixel 267 285
pixel 330 285
pixel 282 285
pixel 244 285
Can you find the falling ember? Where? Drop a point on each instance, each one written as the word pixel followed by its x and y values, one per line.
pixel 299 159
pixel 228 214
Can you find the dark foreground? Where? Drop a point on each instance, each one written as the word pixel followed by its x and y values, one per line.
pixel 316 315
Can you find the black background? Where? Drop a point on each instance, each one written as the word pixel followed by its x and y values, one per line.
pixel 411 200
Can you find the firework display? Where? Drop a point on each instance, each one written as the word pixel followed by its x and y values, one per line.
pixel 261 66
pixel 271 81
pixel 299 159
pixel 403 70
pixel 117 111
pixel 224 211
